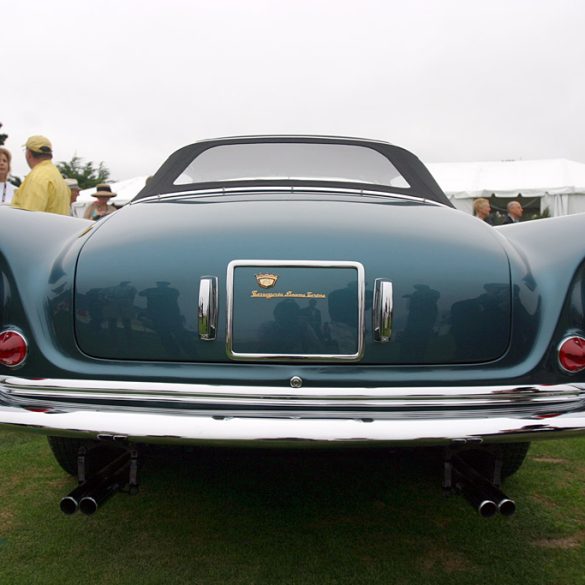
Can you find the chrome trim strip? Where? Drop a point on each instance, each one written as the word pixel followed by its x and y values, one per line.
pixel 290 403
pixel 159 428
pixel 383 306
pixel 207 308
pixel 301 264
pixel 25 405
pixel 388 397
pixel 201 193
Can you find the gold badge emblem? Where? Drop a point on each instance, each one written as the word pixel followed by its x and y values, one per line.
pixel 266 280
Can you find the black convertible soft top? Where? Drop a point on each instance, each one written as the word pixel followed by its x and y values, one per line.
pixel 294 161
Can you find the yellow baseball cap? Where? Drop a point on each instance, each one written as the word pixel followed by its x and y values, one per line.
pixel 39 144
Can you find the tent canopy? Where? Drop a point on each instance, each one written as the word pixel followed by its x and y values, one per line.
pixel 532 178
pixel 125 191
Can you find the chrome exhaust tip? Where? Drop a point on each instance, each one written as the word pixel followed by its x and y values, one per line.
pixel 68 505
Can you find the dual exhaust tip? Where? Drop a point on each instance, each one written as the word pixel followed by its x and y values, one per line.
pixel 90 495
pixel 86 505
pixel 487 507
pixel 484 496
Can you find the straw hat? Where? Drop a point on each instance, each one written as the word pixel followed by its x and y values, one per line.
pixel 103 190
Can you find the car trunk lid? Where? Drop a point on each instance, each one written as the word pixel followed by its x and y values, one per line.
pixel 138 280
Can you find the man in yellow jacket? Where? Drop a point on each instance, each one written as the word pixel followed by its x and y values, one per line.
pixel 43 189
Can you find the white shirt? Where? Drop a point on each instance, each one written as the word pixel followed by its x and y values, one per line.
pixel 6 192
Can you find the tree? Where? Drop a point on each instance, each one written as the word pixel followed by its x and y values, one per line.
pixel 87 174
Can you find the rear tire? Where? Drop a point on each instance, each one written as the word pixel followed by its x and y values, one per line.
pixel 513 456
pixel 65 451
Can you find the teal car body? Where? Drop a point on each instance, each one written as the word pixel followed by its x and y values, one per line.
pixel 240 303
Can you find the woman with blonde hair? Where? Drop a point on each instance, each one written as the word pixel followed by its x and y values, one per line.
pixel 482 210
pixel 6 187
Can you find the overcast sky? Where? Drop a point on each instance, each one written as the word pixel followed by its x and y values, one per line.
pixel 127 82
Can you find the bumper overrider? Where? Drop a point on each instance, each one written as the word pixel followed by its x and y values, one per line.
pixel 158 412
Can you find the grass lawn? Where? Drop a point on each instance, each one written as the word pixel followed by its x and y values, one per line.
pixel 226 517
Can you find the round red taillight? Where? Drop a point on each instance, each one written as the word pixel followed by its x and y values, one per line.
pixel 13 348
pixel 572 354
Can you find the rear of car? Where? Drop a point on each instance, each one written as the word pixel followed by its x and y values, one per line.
pixel 257 295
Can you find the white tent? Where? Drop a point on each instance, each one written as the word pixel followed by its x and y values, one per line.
pixel 560 183
pixel 125 192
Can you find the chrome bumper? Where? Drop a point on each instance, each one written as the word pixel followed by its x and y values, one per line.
pixel 208 414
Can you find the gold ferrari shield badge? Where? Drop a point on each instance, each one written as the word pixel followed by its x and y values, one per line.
pixel 266 280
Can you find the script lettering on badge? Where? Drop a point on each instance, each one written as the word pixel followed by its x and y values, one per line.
pixel 289 294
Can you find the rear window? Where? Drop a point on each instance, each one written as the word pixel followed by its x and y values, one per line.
pixel 327 162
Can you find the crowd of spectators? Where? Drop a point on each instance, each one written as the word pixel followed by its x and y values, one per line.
pixel 44 188
pixel 482 210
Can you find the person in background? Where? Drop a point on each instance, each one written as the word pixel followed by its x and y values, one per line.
pixel 6 187
pixel 482 210
pixel 515 212
pixel 101 207
pixel 74 188
pixel 43 189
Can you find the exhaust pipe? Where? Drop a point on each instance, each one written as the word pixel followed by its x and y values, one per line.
pixel 101 493
pixel 481 491
pixel 485 507
pixel 110 473
pixel 70 503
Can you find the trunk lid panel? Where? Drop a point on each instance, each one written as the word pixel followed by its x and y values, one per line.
pixel 137 280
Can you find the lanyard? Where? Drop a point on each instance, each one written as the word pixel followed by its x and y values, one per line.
pixel 4 192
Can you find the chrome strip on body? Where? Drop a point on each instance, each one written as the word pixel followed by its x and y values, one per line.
pixel 299 264
pixel 259 396
pixel 383 305
pixel 207 308
pixel 517 413
pixel 159 428
pixel 201 193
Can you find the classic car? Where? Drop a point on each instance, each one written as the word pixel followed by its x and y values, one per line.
pixel 291 291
